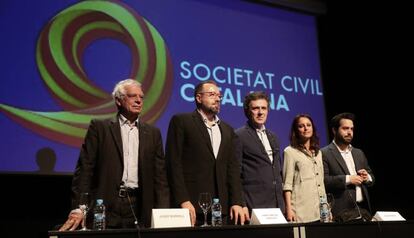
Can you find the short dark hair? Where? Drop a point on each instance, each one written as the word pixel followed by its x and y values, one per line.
pixel 253 96
pixel 335 121
pixel 199 87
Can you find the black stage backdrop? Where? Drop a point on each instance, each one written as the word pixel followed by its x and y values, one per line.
pixel 364 46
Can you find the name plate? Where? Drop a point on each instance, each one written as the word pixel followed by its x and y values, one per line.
pixel 261 216
pixel 387 216
pixel 170 217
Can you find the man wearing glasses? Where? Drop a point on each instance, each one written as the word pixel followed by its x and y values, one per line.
pixel 200 157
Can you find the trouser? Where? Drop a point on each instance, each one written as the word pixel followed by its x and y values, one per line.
pixel 124 210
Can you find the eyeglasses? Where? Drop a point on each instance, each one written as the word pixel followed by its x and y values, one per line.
pixel 212 95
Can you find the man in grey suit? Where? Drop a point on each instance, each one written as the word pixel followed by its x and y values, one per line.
pixel 121 162
pixel 200 157
pixel 258 151
pixel 346 171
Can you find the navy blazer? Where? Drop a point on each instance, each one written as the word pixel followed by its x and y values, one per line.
pixel 192 167
pixel 100 167
pixel 261 179
pixel 335 171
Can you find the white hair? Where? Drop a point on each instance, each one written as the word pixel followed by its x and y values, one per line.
pixel 119 89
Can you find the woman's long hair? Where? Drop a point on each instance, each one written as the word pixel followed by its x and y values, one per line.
pixel 295 139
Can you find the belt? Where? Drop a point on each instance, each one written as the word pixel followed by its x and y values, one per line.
pixel 126 191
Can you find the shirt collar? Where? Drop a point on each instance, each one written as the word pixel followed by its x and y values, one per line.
pixel 205 120
pixel 348 149
pixel 124 121
pixel 261 129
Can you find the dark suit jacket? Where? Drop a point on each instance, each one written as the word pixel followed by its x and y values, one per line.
pixel 335 171
pixel 261 179
pixel 100 167
pixel 192 167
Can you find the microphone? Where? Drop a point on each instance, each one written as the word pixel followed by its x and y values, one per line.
pixel 122 187
pixel 356 206
pixel 135 217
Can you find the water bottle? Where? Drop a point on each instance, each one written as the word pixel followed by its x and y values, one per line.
pixel 99 215
pixel 216 213
pixel 324 210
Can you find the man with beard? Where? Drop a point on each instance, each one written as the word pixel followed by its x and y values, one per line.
pixel 346 171
pixel 201 158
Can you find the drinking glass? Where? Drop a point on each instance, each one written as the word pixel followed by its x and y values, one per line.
pixel 204 201
pixel 84 207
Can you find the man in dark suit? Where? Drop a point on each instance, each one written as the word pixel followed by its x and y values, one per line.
pixel 200 157
pixel 121 162
pixel 258 151
pixel 346 171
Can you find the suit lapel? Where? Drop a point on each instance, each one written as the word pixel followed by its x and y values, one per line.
pixel 142 135
pixel 253 134
pixel 272 141
pixel 198 121
pixel 339 158
pixel 356 161
pixel 116 134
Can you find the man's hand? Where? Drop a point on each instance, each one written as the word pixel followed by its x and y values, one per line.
pixel 356 179
pixel 74 219
pixel 191 209
pixel 364 174
pixel 237 211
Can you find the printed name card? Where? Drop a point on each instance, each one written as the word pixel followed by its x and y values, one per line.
pixel 171 217
pixel 261 216
pixel 387 216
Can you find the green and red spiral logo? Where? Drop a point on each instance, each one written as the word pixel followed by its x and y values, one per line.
pixel 59 51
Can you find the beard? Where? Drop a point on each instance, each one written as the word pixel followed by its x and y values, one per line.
pixel 343 140
pixel 212 109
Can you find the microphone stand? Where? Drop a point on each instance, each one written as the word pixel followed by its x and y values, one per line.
pixel 135 217
pixel 356 206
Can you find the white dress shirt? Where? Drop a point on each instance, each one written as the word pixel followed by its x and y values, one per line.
pixel 130 146
pixel 265 141
pixel 214 132
pixel 350 164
